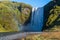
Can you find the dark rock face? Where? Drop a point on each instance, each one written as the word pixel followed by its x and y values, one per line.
pixel 51 16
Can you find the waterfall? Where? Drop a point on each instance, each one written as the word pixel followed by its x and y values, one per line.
pixel 36 23
pixel 37 19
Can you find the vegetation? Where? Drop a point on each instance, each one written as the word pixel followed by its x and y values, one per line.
pixel 11 15
pixel 42 36
pixel 53 22
pixel 54 14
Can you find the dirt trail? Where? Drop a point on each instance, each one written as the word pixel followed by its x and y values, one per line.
pixel 43 36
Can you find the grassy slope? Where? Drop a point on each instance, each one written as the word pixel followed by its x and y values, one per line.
pixel 43 36
pixel 10 15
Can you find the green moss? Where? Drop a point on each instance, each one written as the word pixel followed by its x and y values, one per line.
pixel 10 15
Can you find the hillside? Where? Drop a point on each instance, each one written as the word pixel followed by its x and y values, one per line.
pixel 12 15
pixel 53 20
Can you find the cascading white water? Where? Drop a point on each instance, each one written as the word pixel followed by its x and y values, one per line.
pixel 36 23
pixel 37 19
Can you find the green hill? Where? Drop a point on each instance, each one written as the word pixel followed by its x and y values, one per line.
pixel 53 21
pixel 12 14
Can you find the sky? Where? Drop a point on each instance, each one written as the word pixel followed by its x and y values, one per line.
pixel 34 3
